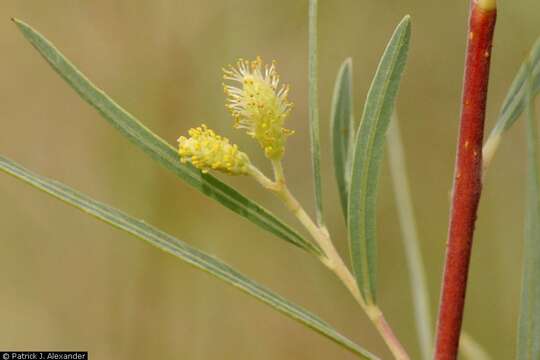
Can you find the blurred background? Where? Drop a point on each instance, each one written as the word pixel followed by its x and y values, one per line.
pixel 69 282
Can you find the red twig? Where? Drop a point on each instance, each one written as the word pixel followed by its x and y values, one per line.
pixel 467 178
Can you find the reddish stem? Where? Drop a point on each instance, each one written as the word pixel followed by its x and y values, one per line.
pixel 467 181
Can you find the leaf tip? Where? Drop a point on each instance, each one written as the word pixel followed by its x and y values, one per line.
pixel 19 23
pixel 406 22
pixel 16 21
pixel 404 27
pixel 346 66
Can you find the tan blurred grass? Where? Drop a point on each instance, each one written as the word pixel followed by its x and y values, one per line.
pixel 69 282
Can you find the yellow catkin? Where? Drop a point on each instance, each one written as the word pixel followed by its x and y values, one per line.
pixel 208 151
pixel 259 105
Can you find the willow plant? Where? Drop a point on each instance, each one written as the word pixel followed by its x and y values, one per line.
pixel 258 102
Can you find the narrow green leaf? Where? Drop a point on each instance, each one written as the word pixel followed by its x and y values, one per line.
pixel 528 340
pixel 342 130
pixel 179 249
pixel 470 349
pixel 368 150
pixel 314 131
pixel 514 104
pixel 411 241
pixel 156 147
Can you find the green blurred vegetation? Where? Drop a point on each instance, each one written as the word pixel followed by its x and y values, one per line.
pixel 70 282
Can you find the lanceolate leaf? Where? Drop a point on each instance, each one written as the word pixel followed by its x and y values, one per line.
pixel 342 130
pixel 314 131
pixel 179 249
pixel 411 241
pixel 514 103
pixel 528 340
pixel 156 147
pixel 368 150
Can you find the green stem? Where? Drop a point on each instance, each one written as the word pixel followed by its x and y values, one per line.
pixel 331 258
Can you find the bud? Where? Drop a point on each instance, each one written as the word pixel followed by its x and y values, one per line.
pixel 258 106
pixel 208 151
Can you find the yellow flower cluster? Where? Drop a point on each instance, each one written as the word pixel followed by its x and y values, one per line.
pixel 206 150
pixel 259 105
